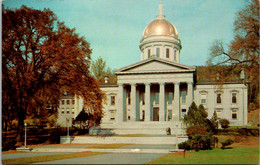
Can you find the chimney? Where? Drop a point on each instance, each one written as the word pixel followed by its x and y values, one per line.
pixel 106 79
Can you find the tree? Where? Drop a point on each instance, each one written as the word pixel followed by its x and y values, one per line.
pixel 42 58
pixel 214 121
pixel 243 51
pixel 198 117
pixel 100 71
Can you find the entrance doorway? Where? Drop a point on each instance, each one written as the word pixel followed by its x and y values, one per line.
pixel 156 114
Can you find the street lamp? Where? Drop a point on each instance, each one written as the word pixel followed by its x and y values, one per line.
pixel 25 124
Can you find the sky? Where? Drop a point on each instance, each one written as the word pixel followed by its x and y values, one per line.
pixel 114 28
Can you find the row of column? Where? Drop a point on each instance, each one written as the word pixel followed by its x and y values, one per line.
pixel 121 114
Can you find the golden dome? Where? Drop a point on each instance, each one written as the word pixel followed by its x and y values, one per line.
pixel 160 27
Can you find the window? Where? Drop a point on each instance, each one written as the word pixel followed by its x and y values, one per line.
pixel 218 98
pixel 129 118
pixel 143 115
pixel 169 114
pixel 170 98
pixel 73 102
pixel 62 102
pixel 234 98
pixel 72 111
pixel 175 55
pixel 203 98
pixel 143 98
pixel 72 120
pixel 149 53
pixel 68 102
pixel 128 98
pixel 112 100
pixel 183 112
pixel 183 97
pixel 112 114
pixel 218 112
pixel 157 52
pixel 167 53
pixel 68 110
pixel 62 110
pixel 157 98
pixel 234 113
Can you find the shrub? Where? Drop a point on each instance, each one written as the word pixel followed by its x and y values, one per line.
pixel 185 145
pixel 227 143
pixel 196 129
pixel 199 142
pixel 224 123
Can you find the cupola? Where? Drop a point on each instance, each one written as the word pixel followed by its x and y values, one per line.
pixel 160 38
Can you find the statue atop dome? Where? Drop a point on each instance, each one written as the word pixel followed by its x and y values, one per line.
pixel 160 16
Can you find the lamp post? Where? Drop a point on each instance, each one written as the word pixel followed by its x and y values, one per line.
pixel 177 147
pixel 25 124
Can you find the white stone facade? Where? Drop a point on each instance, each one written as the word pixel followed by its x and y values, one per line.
pixel 69 107
pixel 156 93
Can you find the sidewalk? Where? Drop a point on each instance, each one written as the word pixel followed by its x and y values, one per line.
pixel 136 148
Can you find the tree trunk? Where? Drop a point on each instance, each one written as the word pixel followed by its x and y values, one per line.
pixel 20 131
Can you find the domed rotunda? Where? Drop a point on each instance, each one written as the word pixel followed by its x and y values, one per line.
pixel 160 38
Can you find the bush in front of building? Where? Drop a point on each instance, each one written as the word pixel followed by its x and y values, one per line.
pixel 196 130
pixel 226 143
pixel 199 142
pixel 224 123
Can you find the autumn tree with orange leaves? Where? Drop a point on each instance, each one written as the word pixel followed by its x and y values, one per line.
pixel 243 50
pixel 42 58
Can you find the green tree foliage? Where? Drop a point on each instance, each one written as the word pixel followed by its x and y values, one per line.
pixel 243 50
pixel 214 121
pixel 41 58
pixel 100 71
pixel 198 117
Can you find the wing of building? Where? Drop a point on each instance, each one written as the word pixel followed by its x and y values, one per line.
pixel 155 93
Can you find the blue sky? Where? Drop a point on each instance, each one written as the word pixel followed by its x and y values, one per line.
pixel 114 27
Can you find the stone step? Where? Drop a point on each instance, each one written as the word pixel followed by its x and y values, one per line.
pixel 127 140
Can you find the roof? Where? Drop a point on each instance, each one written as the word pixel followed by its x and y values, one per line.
pixel 148 66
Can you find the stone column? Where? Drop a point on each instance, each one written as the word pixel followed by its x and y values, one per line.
pixel 133 102
pixel 190 94
pixel 177 100
pixel 120 104
pixel 147 101
pixel 162 102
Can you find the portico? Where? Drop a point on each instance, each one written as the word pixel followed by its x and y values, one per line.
pixel 160 101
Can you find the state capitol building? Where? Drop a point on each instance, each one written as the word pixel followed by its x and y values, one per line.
pixel 156 93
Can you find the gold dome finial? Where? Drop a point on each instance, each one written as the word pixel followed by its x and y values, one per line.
pixel 160 16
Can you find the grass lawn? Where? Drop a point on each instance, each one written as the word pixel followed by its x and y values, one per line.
pixel 236 155
pixel 48 158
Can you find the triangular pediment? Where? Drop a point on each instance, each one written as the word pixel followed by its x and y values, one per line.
pixel 155 65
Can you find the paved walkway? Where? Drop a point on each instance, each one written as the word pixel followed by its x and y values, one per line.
pixel 109 159
pixel 132 154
